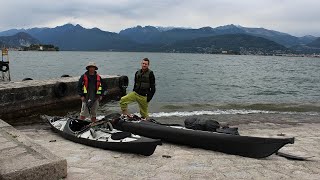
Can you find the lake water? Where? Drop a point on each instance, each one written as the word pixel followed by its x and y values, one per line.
pixel 189 84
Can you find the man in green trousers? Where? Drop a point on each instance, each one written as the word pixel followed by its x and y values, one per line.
pixel 143 90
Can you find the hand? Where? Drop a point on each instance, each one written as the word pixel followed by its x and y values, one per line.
pixel 83 98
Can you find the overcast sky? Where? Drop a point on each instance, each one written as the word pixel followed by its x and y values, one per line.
pixel 296 17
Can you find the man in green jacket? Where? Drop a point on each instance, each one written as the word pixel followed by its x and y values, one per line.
pixel 143 90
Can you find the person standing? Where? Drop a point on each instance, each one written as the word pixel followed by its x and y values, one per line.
pixel 143 90
pixel 90 89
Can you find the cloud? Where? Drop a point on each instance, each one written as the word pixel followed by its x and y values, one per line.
pixel 291 16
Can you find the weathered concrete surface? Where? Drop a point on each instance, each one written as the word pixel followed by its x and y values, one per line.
pixel 180 162
pixel 20 99
pixel 21 158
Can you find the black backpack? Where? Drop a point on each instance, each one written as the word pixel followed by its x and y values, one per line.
pixel 201 124
pixel 208 125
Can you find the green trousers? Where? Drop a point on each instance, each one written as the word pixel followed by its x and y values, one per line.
pixel 134 97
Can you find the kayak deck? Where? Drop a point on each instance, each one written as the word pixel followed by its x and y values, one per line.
pixel 103 138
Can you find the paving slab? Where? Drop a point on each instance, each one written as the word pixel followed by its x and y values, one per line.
pixel 21 158
pixel 172 161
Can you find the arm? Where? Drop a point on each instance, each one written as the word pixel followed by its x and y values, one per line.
pixel 80 86
pixel 135 80
pixel 152 86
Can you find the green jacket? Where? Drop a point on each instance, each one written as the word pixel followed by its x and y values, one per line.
pixel 144 83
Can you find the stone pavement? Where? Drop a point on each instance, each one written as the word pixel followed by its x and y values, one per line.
pixel 180 162
pixel 21 158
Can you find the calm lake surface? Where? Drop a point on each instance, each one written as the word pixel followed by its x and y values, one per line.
pixel 195 83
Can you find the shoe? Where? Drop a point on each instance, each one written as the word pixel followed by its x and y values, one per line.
pixel 115 121
pixel 122 116
pixel 126 117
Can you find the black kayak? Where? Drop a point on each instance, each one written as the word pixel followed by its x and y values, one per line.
pixel 102 136
pixel 247 146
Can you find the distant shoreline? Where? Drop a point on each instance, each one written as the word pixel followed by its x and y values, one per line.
pixel 284 55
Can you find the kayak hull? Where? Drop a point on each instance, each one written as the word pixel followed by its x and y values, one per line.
pixel 247 146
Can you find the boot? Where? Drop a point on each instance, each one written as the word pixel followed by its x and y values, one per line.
pixel 93 119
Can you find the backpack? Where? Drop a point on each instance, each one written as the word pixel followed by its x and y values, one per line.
pixel 209 125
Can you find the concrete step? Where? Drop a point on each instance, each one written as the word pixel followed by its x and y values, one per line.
pixel 21 158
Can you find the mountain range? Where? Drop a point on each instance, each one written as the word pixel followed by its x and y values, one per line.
pixel 18 39
pixel 161 39
pixel 234 43
pixel 151 35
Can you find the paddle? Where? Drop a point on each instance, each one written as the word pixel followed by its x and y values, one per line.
pixel 89 105
pixel 293 156
pixel 92 124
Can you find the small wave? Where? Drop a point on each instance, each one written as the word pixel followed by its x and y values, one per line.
pixel 215 112
pixel 170 106
pixel 277 107
pixel 270 93
pixel 223 112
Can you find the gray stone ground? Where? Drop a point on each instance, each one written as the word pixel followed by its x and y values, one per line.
pixel 183 162
pixel 23 159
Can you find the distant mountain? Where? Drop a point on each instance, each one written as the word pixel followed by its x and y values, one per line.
pixel 236 43
pixel 18 40
pixel 307 39
pixel 315 43
pixel 278 37
pixel 75 37
pixel 150 38
pixel 141 34
pixel 70 37
pixel 161 28
pixel 309 48
pixel 304 49
pixel 177 34
pixel 12 32
pixel 229 29
pixel 147 34
pixel 152 35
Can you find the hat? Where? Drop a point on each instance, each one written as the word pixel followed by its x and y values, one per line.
pixel 92 64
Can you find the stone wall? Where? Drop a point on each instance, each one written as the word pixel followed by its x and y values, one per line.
pixel 19 99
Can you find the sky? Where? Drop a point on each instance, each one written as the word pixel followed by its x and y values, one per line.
pixel 296 17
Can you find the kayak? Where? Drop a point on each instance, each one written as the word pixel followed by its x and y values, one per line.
pixel 247 146
pixel 102 136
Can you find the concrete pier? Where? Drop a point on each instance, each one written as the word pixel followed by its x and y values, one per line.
pixel 20 99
